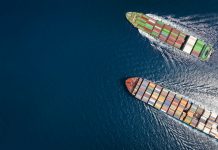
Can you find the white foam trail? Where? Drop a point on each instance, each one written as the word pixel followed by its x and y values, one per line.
pixel 187 75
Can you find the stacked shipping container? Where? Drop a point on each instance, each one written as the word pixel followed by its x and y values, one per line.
pixel 168 101
pixel 161 98
pixel 180 108
pixel 157 29
pixel 175 105
pixel 180 40
pixel 198 48
pixel 170 35
pixel 173 36
pixel 189 44
pixel 165 33
pixel 155 95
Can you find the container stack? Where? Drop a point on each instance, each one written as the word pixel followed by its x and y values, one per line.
pixel 197 116
pixel 137 86
pixel 149 25
pixel 161 99
pixel 189 44
pixel 203 120
pixel 142 89
pixel 168 102
pixel 213 131
pixel 184 113
pixel 180 108
pixel 157 29
pixel 172 37
pixel 155 95
pixel 204 53
pixel 190 114
pixel 145 18
pixel 140 23
pixel 209 123
pixel 180 40
pixel 174 105
pixel 165 33
pixel 148 92
pixel 198 48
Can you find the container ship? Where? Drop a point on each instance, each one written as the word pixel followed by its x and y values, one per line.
pixel 174 104
pixel 170 35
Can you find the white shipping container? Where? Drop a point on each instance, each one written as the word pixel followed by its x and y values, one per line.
pixel 213 115
pixel 158 27
pixel 187 48
pixel 213 132
pixel 192 40
pixel 200 126
pixel 214 126
pixel 151 20
pixel 206 114
pixel 145 99
pixel 206 130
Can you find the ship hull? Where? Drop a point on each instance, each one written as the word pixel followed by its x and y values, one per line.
pixel 170 35
pixel 174 105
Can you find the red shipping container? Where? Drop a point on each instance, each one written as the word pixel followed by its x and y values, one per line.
pixel 144 18
pixel 194 53
pixel 147 30
pixel 156 30
pixel 171 38
pixel 177 45
pixel 161 26
pixel 179 42
pixel 175 31
pixel 167 27
pixel 170 43
pixel 162 39
pixel 180 39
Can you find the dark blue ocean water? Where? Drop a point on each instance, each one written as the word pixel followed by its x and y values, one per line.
pixel 63 66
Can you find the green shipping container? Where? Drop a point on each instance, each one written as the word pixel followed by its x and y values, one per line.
pixel 154 34
pixel 198 48
pixel 141 20
pixel 164 33
pixel 201 42
pixel 140 23
pixel 149 26
pixel 165 30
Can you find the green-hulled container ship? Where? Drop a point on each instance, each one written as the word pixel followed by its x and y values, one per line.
pixel 170 35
